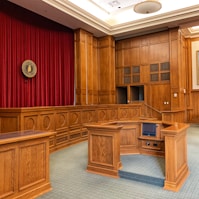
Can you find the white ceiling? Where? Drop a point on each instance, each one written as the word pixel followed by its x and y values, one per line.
pixel 117 17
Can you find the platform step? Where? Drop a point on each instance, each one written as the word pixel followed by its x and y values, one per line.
pixel 142 178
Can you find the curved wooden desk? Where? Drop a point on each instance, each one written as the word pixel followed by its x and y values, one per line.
pixel 106 142
pixel 24 164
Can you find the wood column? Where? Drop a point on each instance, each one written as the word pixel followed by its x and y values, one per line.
pixel 86 68
pixel 106 49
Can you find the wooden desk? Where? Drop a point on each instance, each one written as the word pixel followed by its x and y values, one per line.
pixel 24 164
pixel 106 141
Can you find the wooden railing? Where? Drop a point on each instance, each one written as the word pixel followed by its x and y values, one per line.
pixel 68 121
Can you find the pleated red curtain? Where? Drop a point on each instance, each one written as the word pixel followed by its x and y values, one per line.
pixel 25 35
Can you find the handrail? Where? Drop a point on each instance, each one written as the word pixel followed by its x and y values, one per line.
pixel 153 108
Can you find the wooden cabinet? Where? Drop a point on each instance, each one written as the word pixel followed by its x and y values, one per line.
pixel 24 164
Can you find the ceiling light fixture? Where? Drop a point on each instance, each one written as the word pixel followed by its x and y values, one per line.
pixel 147 7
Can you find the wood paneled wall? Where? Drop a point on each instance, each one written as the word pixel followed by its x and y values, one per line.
pixel 100 65
pixel 94 69
pixel 143 51
pixel 156 49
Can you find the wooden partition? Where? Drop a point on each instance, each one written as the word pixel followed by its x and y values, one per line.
pixel 66 121
pixel 107 141
pixel 174 116
pixel 24 164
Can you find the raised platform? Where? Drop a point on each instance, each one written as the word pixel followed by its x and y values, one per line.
pixel 143 168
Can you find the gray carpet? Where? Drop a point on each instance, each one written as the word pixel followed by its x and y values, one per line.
pixel 70 180
pixel 143 168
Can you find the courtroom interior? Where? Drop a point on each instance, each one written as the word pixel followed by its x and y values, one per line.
pixel 118 78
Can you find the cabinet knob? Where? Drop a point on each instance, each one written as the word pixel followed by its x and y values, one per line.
pixel 147 143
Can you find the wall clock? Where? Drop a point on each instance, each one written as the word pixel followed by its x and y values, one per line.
pixel 29 68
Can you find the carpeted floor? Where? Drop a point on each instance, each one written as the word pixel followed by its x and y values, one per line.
pixel 143 168
pixel 70 180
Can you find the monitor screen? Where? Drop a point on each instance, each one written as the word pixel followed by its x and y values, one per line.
pixel 149 129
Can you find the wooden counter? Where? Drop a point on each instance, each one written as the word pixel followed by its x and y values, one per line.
pixel 24 164
pixel 107 141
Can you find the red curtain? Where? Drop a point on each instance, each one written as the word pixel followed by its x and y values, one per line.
pixel 25 35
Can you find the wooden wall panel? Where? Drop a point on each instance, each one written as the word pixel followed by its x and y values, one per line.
pixel 95 76
pixel 156 38
pixel 174 78
pixel 74 118
pixel 47 122
pixel 158 53
pixel 106 46
pixel 90 76
pixel 31 122
pixel 131 56
pixel 88 116
pixel 119 56
pixel 6 121
pixel 160 99
pixel 144 74
pixel 61 119
pixel 144 56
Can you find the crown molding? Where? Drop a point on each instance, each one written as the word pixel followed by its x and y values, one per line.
pixel 70 15
pixel 157 20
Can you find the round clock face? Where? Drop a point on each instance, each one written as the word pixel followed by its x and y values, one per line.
pixel 29 68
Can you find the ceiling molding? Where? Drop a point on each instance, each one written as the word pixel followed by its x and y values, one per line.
pixel 166 18
pixel 67 14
